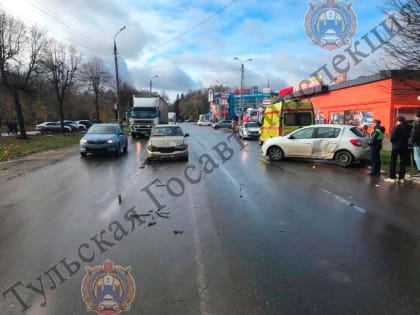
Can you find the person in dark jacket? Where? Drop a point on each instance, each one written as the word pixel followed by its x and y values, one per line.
pixel 399 139
pixel 415 138
pixel 375 143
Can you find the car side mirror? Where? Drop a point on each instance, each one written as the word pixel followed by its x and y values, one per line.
pixel 186 135
pixel 291 137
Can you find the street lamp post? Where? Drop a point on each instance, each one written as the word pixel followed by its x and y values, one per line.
pixel 150 91
pixel 242 79
pixel 117 107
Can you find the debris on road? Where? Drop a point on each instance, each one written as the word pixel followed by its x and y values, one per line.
pixel 140 215
pixel 162 215
pixel 178 232
pixel 119 199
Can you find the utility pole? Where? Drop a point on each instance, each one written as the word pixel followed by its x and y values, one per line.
pixel 150 90
pixel 117 106
pixel 242 81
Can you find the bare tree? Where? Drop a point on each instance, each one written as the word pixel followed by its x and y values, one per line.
pixel 61 63
pixel 97 77
pixel 20 50
pixel 403 52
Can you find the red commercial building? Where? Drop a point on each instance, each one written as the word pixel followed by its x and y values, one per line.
pixel 381 96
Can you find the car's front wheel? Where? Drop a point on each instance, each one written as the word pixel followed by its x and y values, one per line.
pixel 83 154
pixel 344 158
pixel 275 153
pixel 118 152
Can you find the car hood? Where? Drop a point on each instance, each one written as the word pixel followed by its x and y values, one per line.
pixel 99 137
pixel 274 140
pixel 252 129
pixel 164 142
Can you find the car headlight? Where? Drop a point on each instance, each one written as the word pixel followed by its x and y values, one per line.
pixel 82 141
pixel 110 141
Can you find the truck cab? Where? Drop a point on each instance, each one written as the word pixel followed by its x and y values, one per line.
pixel 145 114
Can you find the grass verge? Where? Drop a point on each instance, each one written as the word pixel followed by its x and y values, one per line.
pixel 385 159
pixel 14 147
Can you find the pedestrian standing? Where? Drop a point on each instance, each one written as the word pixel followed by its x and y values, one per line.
pixel 415 139
pixel 375 143
pixel 399 139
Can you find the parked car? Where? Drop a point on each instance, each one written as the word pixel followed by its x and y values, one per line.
pixel 104 138
pixel 167 142
pixel 203 123
pixel 223 124
pixel 84 124
pixel 73 125
pixel 51 127
pixel 249 130
pixel 342 143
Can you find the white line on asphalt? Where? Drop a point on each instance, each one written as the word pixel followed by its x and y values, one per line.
pixel 201 274
pixel 345 201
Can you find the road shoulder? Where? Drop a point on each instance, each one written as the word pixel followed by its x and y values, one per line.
pixel 21 166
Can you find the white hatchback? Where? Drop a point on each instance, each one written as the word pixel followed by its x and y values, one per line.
pixel 204 123
pixel 343 143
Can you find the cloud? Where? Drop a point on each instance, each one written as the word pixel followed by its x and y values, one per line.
pixel 191 44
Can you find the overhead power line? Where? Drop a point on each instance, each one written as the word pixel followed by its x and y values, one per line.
pixel 199 24
pixel 56 19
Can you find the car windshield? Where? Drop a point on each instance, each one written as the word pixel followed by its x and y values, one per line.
pixel 251 125
pixel 103 129
pixel 357 132
pixel 167 131
pixel 146 113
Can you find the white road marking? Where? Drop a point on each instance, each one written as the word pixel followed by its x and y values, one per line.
pixel 345 201
pixel 201 273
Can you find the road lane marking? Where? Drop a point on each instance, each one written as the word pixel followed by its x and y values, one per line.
pixel 201 273
pixel 345 201
pixel 200 143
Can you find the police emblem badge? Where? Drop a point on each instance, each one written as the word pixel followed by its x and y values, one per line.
pixel 330 24
pixel 108 289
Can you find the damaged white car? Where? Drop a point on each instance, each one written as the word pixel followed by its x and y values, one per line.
pixel 343 143
pixel 167 142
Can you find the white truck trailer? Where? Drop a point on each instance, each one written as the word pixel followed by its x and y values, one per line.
pixel 172 117
pixel 146 113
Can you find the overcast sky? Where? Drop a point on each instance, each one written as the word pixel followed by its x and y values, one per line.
pixel 192 44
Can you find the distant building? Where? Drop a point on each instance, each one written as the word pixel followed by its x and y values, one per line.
pixel 358 102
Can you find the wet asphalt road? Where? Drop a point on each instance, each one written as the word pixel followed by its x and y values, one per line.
pixel 257 237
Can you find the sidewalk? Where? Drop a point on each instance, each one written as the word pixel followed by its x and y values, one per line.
pixel 29 133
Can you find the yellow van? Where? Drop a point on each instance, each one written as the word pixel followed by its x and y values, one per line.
pixel 284 116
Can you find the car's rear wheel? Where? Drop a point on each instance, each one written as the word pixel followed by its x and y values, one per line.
pixel 126 148
pixel 344 158
pixel 275 153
